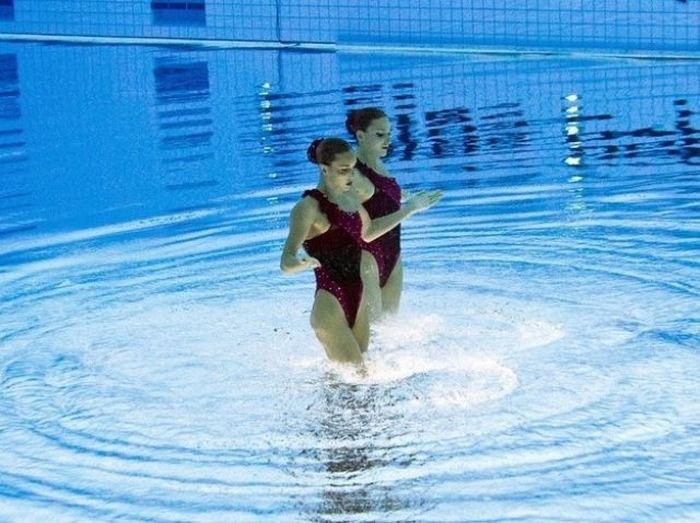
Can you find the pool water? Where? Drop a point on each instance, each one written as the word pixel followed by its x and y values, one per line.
pixel 155 365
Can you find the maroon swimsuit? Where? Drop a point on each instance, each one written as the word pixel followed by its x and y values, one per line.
pixel 338 249
pixel 385 200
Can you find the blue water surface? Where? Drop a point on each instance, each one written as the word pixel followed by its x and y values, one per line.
pixel 155 365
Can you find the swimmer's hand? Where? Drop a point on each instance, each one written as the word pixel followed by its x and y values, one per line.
pixel 292 264
pixel 309 262
pixel 422 200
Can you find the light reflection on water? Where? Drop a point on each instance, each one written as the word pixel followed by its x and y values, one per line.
pixel 155 366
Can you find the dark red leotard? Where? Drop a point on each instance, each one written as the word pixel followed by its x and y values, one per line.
pixel 339 251
pixel 385 200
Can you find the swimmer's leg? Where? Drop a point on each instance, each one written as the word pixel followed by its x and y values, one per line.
pixel 361 328
pixel 391 292
pixel 332 329
pixel 371 293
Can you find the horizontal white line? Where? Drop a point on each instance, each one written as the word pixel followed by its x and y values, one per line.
pixel 348 48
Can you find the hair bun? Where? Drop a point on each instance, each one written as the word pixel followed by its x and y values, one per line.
pixel 312 151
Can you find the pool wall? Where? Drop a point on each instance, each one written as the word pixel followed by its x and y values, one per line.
pixel 619 26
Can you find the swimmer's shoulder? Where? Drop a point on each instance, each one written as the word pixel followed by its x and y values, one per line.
pixel 307 207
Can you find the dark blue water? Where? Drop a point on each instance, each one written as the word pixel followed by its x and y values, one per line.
pixel 156 366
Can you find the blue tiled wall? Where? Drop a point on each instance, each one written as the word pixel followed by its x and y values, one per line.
pixel 567 24
pixel 615 25
pixel 205 19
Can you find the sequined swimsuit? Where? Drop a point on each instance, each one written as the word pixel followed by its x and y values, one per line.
pixel 338 249
pixel 385 200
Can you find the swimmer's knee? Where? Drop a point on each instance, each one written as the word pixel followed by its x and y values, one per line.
pixel 318 324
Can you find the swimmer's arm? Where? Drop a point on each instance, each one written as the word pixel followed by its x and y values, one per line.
pixel 300 221
pixel 373 229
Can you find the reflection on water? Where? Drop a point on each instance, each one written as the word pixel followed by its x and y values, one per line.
pixel 352 422
pixel 155 366
pixel 648 145
pixel 184 117
pixel 15 195
pixel 572 130
pixel 454 133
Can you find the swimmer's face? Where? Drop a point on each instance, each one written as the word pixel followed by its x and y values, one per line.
pixel 340 173
pixel 376 138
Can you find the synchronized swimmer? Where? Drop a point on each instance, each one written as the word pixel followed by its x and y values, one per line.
pixel 350 237
pixel 380 195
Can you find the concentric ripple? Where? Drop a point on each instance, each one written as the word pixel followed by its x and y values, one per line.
pixel 488 389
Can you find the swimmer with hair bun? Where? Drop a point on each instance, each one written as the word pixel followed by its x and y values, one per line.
pixel 381 195
pixel 331 225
